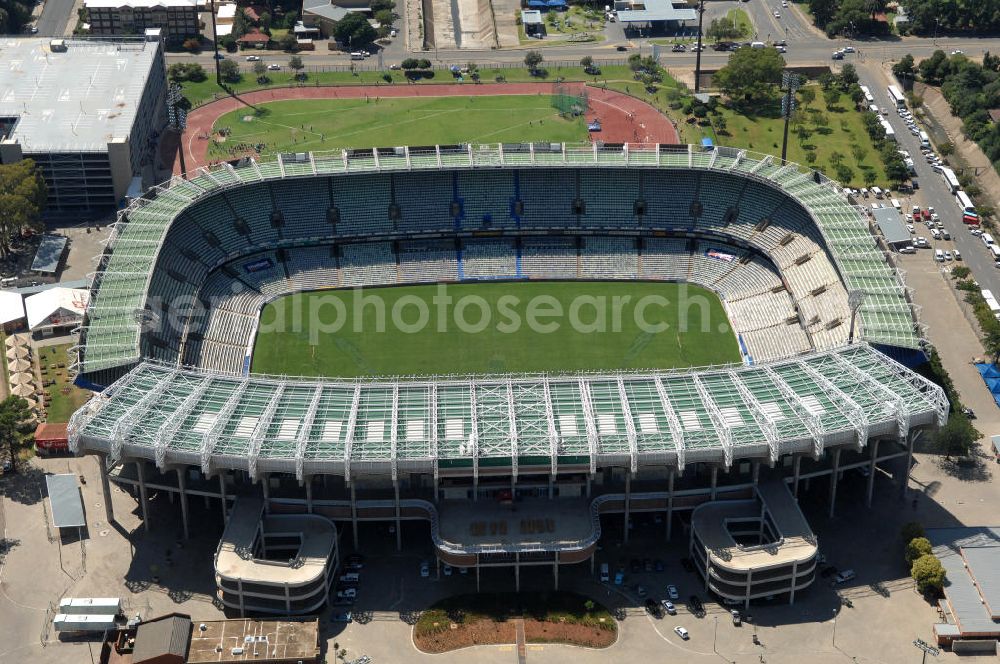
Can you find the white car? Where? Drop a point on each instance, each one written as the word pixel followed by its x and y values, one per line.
pixel 958 255
pixel 274 67
pixel 948 256
pixel 669 607
pixel 777 14
pixel 910 228
pixel 672 592
pixel 848 49
pixel 253 58
pixel 681 632
pixel 957 52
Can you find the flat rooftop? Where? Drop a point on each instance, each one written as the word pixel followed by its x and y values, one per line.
pixel 524 523
pixel 971 559
pixel 286 640
pixel 77 100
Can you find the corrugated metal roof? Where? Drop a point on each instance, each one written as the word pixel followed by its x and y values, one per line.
pixel 64 497
pixel 971 559
pixel 168 635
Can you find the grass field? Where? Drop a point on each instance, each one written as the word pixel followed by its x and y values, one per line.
pixel 64 397
pixel 323 124
pixel 330 334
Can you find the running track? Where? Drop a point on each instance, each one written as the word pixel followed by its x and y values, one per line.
pixel 624 119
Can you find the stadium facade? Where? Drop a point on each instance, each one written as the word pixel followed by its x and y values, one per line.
pixel 812 296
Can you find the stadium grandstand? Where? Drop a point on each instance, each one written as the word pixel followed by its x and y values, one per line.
pixel 817 306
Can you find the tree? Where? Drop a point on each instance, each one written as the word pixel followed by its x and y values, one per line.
pixel 289 42
pixel 917 547
pixel 193 44
pixel 588 606
pixel 532 60
pixel 229 71
pixel 260 70
pixel 23 196
pixel 424 63
pixel 848 76
pixel 904 68
pixel 265 22
pixel 751 75
pixel 241 23
pixel 586 62
pixel 830 97
pixel 385 17
pixel 807 95
pixel 295 64
pixel 935 68
pixel 928 572
pixel 14 427
pixel 228 42
pixel 957 437
pixel 185 71
pixel 409 63
pixel 354 30
pixel 382 5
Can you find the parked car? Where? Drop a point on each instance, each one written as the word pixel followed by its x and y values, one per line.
pixel 672 592
pixel 958 254
pixel 347 593
pixel 696 606
pixel 447 570
pixel 425 570
pixel 669 607
pixel 737 618
pixel 653 608
pixel 658 565
pixel 274 67
pixel 253 58
pixel 845 576
pixel 681 632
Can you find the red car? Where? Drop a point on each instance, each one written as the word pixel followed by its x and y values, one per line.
pixel 916 215
pixel 925 214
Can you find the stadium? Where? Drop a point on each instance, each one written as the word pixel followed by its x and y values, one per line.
pixel 819 326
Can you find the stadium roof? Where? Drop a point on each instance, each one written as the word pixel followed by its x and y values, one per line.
pixel 263 424
pixel 112 330
pixel 64 496
pixel 73 101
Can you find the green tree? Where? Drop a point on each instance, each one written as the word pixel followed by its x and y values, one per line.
pixel 409 63
pixel 265 22
pixel 241 23
pixel 911 530
pixel 295 64
pixel 807 95
pixel 23 196
pixel 288 42
pixel 917 547
pixel 586 62
pixel 382 5
pixel 957 437
pixel 354 30
pixel 14 426
pixel 848 76
pixel 260 71
pixel 752 75
pixel 532 60
pixel 928 572
pixel 186 71
pixel 424 63
pixel 385 17
pixel 904 68
pixel 229 71
pixel 830 97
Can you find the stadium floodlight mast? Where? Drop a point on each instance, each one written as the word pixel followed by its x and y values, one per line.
pixel 177 118
pixel 697 55
pixel 855 299
pixel 790 82
pixel 928 649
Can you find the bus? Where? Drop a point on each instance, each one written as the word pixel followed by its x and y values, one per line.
pixel 991 302
pixel 964 202
pixel 896 96
pixel 951 179
pixel 868 94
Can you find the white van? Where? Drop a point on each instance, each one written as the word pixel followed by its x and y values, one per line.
pixel 925 140
pixel 896 204
pixel 878 192
pixel 357 55
pixel 605 573
pixel 757 45
pixel 987 239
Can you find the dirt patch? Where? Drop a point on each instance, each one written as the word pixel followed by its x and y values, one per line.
pixel 478 633
pixel 579 635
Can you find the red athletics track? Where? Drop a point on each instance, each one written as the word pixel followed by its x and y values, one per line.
pixel 624 119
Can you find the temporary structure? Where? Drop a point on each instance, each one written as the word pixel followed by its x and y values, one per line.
pixel 20 364
pixel 16 340
pixel 17 351
pixel 20 378
pixel 22 390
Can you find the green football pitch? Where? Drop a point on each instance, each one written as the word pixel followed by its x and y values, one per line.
pixel 514 327
pixel 326 124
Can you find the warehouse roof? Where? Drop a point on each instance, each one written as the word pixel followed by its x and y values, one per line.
pixel 166 635
pixel 79 99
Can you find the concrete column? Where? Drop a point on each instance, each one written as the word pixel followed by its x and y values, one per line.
pixel 795 571
pixel 873 446
pixel 288 602
pixel 555 570
pixel 592 559
pixel 143 498
pixel 354 516
pixel 552 486
pixel 746 600
pixel 475 489
pixel 109 509
pixel 182 486
pixel 243 610
pixel 715 480
pixel 399 529
pixel 309 493
pixel 435 488
pixel 670 503
pixel 833 480
pixel 909 462
pixel 797 465
pixel 222 495
pixel 628 499
pixel 477 573
pixel 517 572
pixel 755 466
pixel 266 489
pixel 588 486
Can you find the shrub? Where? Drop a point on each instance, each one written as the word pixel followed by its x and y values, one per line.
pixel 928 572
pixel 918 546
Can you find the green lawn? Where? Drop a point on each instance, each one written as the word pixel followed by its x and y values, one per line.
pixel 316 334
pixel 64 397
pixel 323 124
pixel 561 27
pixel 207 90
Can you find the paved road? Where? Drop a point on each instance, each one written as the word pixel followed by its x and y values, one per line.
pixel 934 192
pixel 55 17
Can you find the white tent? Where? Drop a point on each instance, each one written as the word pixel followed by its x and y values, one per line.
pixel 11 306
pixel 56 307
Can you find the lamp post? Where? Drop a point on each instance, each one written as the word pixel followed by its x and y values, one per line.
pixel 177 118
pixel 215 46
pixel 928 649
pixel 697 60
pixel 791 83
pixel 854 301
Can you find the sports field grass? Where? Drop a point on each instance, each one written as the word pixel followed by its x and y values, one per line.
pixel 527 327
pixel 324 124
